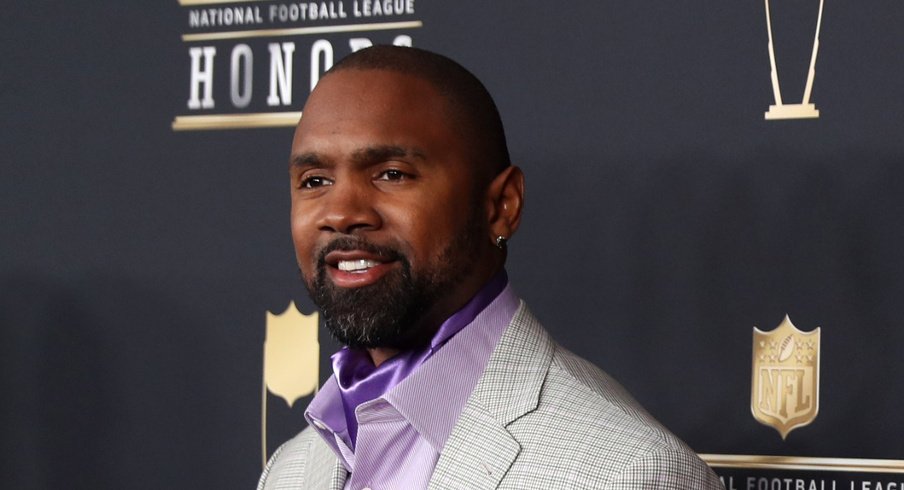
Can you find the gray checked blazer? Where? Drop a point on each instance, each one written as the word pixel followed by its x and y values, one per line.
pixel 539 417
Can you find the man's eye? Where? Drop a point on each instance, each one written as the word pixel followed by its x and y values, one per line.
pixel 392 175
pixel 312 182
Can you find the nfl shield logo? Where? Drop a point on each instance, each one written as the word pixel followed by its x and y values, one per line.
pixel 291 354
pixel 785 392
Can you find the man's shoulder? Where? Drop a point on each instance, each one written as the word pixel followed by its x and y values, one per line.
pixel 572 373
pixel 598 406
pixel 578 397
pixel 574 387
pixel 576 391
pixel 589 430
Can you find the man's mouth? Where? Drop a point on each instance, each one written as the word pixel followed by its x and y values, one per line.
pixel 359 266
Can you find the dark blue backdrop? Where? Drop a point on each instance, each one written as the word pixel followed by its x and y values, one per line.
pixel 665 218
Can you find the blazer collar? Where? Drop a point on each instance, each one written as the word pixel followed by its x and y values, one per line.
pixel 480 450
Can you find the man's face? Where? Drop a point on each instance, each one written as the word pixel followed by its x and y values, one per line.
pixel 388 221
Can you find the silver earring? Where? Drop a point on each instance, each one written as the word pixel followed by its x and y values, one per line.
pixel 500 242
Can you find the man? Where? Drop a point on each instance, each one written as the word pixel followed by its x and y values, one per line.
pixel 403 199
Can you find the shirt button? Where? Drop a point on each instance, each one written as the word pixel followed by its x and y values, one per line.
pixel 318 424
pixel 366 488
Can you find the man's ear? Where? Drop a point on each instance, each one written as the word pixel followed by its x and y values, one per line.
pixel 505 199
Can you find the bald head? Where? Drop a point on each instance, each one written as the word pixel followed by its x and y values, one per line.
pixel 468 103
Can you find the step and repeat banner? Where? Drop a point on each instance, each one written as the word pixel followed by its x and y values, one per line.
pixel 714 216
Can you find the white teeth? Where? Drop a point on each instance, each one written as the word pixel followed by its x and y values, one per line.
pixel 357 265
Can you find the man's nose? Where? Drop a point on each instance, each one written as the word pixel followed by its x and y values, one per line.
pixel 349 207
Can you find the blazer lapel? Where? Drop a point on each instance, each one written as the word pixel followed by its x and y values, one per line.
pixel 480 450
pixel 477 454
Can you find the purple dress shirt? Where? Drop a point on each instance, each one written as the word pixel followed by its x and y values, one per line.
pixel 406 411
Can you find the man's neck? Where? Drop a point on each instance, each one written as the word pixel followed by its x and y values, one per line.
pixel 379 355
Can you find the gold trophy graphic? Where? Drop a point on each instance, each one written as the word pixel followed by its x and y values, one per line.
pixel 804 110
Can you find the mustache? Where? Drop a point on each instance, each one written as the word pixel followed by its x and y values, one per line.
pixel 349 243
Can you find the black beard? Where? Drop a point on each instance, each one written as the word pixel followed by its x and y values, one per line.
pixel 387 314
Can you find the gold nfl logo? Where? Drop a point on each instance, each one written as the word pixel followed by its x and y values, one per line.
pixel 785 391
pixel 291 361
pixel 291 354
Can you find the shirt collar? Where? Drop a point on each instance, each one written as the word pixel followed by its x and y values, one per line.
pixel 428 397
pixel 432 397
